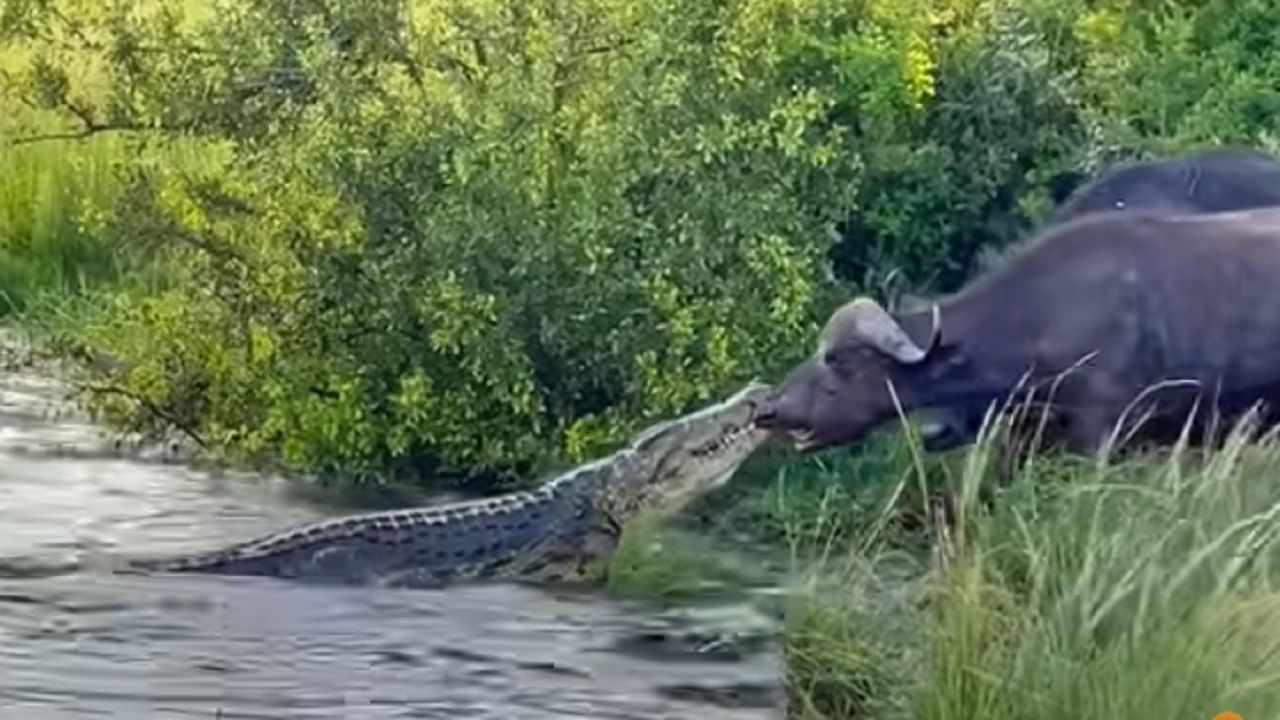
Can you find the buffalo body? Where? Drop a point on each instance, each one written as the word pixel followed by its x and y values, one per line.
pixel 1217 180
pixel 1103 308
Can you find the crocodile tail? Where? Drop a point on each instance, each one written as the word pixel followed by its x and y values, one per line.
pixel 204 562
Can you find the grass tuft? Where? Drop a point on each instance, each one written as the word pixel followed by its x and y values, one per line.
pixel 50 196
pixel 1143 587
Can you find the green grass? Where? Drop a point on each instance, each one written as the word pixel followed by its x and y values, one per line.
pixel 49 196
pixel 54 199
pixel 54 194
pixel 1146 588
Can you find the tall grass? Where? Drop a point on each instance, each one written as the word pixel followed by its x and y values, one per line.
pixel 1143 588
pixel 54 193
pixel 50 194
pixel 55 198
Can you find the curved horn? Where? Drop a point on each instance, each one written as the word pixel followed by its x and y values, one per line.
pixel 866 319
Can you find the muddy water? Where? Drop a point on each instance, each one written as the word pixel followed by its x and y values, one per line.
pixel 79 641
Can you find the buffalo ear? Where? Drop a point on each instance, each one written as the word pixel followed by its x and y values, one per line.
pixel 1062 185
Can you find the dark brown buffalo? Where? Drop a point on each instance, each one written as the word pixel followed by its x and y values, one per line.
pixel 1217 180
pixel 1108 305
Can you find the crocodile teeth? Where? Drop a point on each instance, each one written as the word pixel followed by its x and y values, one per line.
pixel 731 436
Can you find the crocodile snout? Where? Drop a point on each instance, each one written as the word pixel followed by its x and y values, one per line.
pixel 764 413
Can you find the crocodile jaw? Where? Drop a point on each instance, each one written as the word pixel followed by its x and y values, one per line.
pixel 698 475
pixel 691 455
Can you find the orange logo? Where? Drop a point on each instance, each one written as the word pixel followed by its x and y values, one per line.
pixel 1228 715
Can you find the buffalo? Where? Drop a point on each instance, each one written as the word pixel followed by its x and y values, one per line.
pixel 1133 314
pixel 1217 180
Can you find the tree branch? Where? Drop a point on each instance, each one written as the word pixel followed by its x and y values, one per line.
pixel 148 405
pixel 88 43
pixel 89 130
pixel 602 49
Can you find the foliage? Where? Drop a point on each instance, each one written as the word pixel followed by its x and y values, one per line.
pixel 1181 74
pixel 523 225
pixel 964 164
pixel 494 236
pixel 47 203
pixel 55 200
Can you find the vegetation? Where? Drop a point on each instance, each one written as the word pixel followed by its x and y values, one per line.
pixel 471 240
pixel 1141 589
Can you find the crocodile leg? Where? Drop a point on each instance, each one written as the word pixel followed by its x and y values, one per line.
pixel 577 555
pixel 600 547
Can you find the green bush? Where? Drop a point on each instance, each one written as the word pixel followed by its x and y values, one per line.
pixel 528 227
pixel 971 166
pixel 492 236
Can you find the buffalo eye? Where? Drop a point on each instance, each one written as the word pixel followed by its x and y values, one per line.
pixel 835 356
pixel 842 359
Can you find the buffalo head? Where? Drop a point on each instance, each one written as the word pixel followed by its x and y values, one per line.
pixel 842 392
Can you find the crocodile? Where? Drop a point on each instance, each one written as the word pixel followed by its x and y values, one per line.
pixel 566 529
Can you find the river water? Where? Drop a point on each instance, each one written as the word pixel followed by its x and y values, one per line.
pixel 78 641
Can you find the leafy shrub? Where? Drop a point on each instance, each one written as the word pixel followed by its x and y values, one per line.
pixel 493 235
pixel 518 230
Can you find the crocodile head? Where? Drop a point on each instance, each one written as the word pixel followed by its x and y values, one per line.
pixel 670 463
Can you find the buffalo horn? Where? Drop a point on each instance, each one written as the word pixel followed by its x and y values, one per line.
pixel 867 320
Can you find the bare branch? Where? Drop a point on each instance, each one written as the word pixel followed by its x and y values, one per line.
pixel 88 131
pixel 602 49
pixel 148 405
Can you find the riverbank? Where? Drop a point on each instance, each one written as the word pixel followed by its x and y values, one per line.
pixel 1145 588
pixel 1070 586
